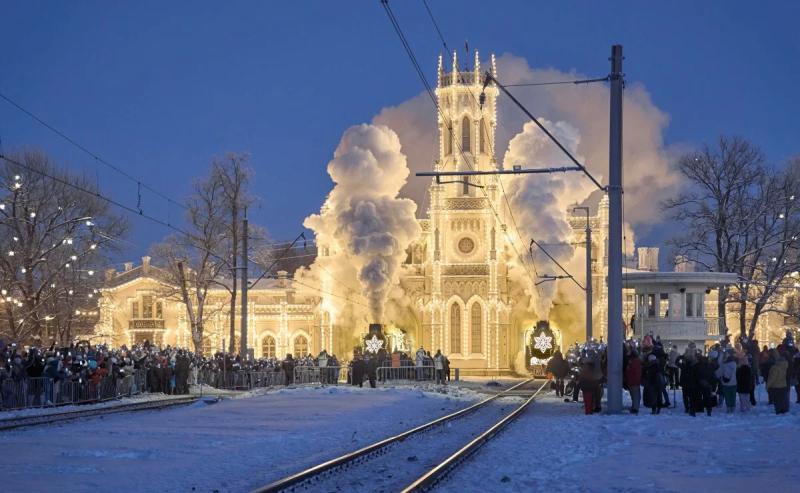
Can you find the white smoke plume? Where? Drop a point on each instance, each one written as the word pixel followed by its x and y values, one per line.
pixel 363 222
pixel 541 205
pixel 648 178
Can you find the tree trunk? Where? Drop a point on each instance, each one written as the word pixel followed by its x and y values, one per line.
pixel 742 318
pixel 234 272
pixel 722 310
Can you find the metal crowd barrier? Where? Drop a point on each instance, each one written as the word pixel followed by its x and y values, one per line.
pixel 326 375
pixel 47 392
pixel 407 373
pixel 241 380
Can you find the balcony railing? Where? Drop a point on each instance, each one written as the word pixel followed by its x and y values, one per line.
pixel 146 324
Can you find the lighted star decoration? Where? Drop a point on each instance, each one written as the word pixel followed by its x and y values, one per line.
pixel 543 343
pixel 374 345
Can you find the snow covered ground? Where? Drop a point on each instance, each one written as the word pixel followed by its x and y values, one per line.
pixel 234 445
pixel 554 447
pixel 241 443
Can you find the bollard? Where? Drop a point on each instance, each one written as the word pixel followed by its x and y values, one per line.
pixel 457 373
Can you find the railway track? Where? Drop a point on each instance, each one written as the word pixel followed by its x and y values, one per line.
pixel 45 419
pixel 428 452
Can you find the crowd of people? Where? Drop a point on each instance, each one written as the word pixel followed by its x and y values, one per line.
pixel 172 370
pixel 723 376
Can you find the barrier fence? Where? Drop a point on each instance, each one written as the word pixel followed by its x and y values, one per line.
pixel 47 392
pixel 406 373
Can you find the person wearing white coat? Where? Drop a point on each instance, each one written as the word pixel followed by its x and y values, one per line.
pixel 726 374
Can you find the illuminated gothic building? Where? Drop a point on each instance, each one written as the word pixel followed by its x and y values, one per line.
pixel 455 275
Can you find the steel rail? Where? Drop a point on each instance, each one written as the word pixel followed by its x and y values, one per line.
pixel 46 419
pixel 432 477
pixel 314 471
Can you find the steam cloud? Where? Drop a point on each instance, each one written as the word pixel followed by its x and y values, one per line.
pixel 541 203
pixel 363 221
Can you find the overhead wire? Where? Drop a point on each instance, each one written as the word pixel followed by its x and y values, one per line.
pixel 139 183
pixel 429 91
pixel 492 150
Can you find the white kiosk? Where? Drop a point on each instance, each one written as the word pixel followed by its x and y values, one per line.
pixel 672 305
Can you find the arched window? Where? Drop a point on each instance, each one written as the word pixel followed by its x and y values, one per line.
pixel 455 328
pixel 465 135
pixel 300 346
pixel 448 140
pixel 476 334
pixel 268 347
pixel 483 135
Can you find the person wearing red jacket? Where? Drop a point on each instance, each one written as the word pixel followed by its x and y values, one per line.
pixel 633 380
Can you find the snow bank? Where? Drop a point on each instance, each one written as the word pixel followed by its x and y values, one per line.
pixel 233 445
pixel 554 447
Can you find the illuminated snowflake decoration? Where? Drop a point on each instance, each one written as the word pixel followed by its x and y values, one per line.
pixel 543 343
pixel 374 345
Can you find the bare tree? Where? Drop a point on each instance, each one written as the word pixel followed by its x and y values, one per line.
pixel 233 174
pixel 55 233
pixel 737 216
pixel 194 260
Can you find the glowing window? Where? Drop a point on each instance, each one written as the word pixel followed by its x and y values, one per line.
pixel 466 145
pixel 455 328
pixel 268 347
pixel 300 347
pixel 476 334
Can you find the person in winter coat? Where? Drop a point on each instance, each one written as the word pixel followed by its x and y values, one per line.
pixel 726 373
pixel 419 361
pixel 372 370
pixel 559 367
pixel 288 369
pixel 633 380
pixel 588 384
pixel 776 383
pixel 358 371
pixel 688 381
pixel 653 383
pixel 438 364
pixel 705 381
pixel 744 384
pixel 672 367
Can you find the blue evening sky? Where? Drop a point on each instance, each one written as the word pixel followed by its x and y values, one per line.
pixel 157 88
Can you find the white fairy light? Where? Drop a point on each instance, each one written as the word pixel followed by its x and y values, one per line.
pixel 11 253
pixel 91 272
pixel 33 214
pixel 93 246
pixel 2 207
pixel 66 265
pixel 17 177
pixel 74 257
pixel 69 292
pixel 24 270
pixel 3 292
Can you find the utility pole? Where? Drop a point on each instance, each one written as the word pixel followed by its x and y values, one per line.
pixel 615 337
pixel 243 331
pixel 588 282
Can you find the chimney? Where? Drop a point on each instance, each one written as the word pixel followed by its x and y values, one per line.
pixel 282 277
pixel 128 266
pixel 145 264
pixel 110 273
pixel 648 258
pixel 683 264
